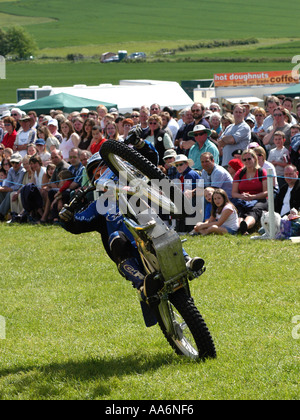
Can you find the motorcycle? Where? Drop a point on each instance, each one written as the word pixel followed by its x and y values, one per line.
pixel 144 196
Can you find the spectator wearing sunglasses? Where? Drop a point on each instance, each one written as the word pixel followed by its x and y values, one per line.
pixel 202 145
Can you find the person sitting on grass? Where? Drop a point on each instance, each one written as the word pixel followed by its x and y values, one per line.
pixel 223 219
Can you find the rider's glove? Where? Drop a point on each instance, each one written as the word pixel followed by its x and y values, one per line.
pixel 66 214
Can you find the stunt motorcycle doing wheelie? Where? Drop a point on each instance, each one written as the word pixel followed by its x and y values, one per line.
pixel 133 195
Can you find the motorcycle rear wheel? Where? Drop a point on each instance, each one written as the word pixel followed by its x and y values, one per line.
pixel 191 337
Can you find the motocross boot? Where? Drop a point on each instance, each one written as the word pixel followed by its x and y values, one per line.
pixel 194 264
pixel 130 269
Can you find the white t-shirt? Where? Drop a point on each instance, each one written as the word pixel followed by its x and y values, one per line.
pixel 38 178
pixel 232 221
pixel 286 202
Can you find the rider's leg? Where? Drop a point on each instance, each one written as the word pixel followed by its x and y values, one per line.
pixel 124 256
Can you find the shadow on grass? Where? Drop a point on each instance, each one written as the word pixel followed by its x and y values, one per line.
pixel 97 375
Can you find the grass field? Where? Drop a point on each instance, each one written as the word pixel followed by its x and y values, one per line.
pixel 74 328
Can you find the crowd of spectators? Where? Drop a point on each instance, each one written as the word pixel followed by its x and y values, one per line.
pixel 43 158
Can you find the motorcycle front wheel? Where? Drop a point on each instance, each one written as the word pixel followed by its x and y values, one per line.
pixel 153 184
pixel 184 327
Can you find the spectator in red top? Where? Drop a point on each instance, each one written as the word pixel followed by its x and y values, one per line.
pixel 97 139
pixel 249 191
pixel 11 133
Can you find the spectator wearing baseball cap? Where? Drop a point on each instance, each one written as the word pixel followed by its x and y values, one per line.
pixel 201 134
pixel 25 136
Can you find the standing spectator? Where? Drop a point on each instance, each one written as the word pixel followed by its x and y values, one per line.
pixel 172 123
pixel 279 157
pixel 70 140
pixel 259 115
pixel 52 142
pixel 271 104
pixel 25 136
pixel 202 145
pixel 187 118
pixel 215 123
pixel 144 115
pixel 16 113
pixel 87 134
pixel 279 124
pixel 235 136
pixel 111 131
pixel 155 109
pixel 197 111
pixel 11 133
pixel 158 137
pixel 52 125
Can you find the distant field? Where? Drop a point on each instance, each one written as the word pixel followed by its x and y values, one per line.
pixel 24 74
pixel 90 29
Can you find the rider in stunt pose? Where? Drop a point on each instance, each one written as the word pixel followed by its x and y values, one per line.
pixel 117 239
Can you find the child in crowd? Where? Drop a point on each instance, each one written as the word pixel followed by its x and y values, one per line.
pixel 3 176
pixel 224 216
pixel 279 156
pixel 208 194
pixel 97 139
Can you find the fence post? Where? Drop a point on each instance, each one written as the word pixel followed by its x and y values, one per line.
pixel 271 204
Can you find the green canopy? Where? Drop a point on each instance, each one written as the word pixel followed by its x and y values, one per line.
pixel 65 102
pixel 291 91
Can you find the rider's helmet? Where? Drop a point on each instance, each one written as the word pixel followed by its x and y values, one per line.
pixel 93 164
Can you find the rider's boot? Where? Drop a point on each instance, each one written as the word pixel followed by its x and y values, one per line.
pixel 131 270
pixel 194 264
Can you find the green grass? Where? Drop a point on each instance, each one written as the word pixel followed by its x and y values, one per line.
pixel 74 328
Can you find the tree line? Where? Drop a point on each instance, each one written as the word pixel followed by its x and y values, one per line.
pixel 15 41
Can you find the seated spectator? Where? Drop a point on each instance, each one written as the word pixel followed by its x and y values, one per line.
pixel 70 139
pixel 167 168
pixel 45 156
pixel 16 205
pixel 279 157
pixel 60 164
pixel 289 195
pixel 97 139
pixel 25 136
pixel 46 184
pixel 215 175
pixel 224 216
pixel 6 165
pixel 202 145
pixel 3 176
pixel 87 134
pixel 188 182
pixel 234 165
pixel 12 183
pixel 235 136
pixel 31 150
pixel 11 133
pixel 135 116
pixel 250 188
pixel 295 151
